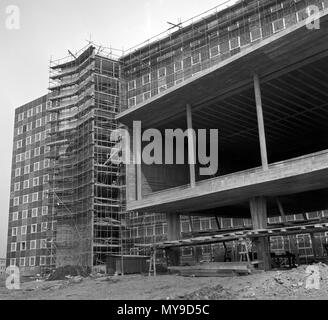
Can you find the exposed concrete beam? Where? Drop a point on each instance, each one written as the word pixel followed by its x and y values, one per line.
pixel 260 120
pixel 191 147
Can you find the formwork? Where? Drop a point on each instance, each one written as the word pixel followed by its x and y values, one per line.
pixel 85 183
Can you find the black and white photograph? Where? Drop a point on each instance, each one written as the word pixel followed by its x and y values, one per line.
pixel 172 152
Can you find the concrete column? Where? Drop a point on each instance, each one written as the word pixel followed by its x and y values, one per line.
pixel 173 233
pixel 259 215
pixel 137 158
pixel 260 121
pixel 191 147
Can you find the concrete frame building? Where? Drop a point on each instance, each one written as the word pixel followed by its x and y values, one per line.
pixel 253 71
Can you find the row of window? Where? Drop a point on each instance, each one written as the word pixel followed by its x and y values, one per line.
pixel 31 261
pixel 234 43
pixel 37 138
pixel 30 198
pixel 34 213
pixel 39 165
pixel 35 182
pixel 28 245
pixel 30 113
pixel 23 230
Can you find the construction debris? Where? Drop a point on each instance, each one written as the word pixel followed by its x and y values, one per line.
pixel 68 272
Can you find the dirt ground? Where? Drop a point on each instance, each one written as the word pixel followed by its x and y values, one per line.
pixel 273 285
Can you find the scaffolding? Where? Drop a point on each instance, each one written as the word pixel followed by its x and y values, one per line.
pixel 85 185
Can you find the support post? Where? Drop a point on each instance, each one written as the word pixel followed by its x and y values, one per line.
pixel 137 158
pixel 260 121
pixel 173 233
pixel 258 207
pixel 191 147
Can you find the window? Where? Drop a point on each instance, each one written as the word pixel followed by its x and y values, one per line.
pixel 16 201
pixel 15 216
pixel 27 169
pixel 234 43
pixel 19 144
pixel 17 172
pixel 36 166
pixel 46 163
pixel 147 95
pixel 214 51
pixel 25 199
pixel 131 85
pixel 28 140
pixel 20 130
pixel 23 230
pixel 29 126
pixel 33 244
pixel 17 186
pixel 28 155
pixel 26 184
pixel 21 116
pixel 38 123
pixel 45 194
pixel 14 232
pixel 46 178
pixel 35 196
pixel 278 25
pixel 146 79
pixel 44 226
pixel 18 158
pixel 46 149
pixel 23 246
pixel 13 262
pixel 36 181
pixel 43 260
pixel 24 214
pixel 161 73
pixel 13 247
pixel 29 113
pixel 43 243
pixel 22 262
pixel 32 261
pixel 132 102
pixel 34 228
pixel 38 109
pixel 34 212
pixel 195 58
pixel 178 66
pixel 256 33
pixel 36 152
pixel 37 137
pixel 44 210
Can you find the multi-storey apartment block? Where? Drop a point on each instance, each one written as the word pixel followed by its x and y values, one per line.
pixel 30 229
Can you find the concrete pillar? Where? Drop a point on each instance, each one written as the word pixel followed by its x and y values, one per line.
pixel 260 121
pixel 191 147
pixel 137 158
pixel 259 215
pixel 173 233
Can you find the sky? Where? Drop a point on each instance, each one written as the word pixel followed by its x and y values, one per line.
pixel 47 29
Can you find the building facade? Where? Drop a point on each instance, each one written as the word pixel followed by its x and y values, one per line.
pixel 2 267
pixel 68 198
pixel 30 231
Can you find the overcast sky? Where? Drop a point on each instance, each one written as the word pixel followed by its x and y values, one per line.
pixel 48 29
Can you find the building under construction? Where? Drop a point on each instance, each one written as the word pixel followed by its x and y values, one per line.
pixel 255 71
pixel 84 182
